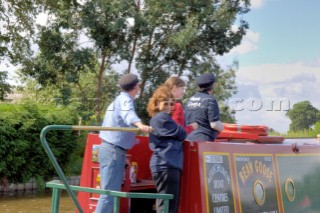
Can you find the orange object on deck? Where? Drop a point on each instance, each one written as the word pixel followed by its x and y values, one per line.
pixel 253 129
pixel 247 133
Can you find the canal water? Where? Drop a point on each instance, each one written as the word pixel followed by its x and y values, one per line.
pixel 34 203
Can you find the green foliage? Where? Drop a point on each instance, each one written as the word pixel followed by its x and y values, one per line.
pixel 17 19
pixel 5 87
pixel 79 96
pixel 158 39
pixel 17 24
pixel 227 115
pixel 301 134
pixel 20 146
pixel 184 37
pixel 316 128
pixel 305 133
pixel 59 59
pixel 303 116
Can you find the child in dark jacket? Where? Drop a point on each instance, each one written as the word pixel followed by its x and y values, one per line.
pixel 166 143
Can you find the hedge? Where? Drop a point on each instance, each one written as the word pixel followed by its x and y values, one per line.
pixel 21 153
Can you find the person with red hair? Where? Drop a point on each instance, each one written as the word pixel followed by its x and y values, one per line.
pixel 166 143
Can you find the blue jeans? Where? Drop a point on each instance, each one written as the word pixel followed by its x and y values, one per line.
pixel 112 161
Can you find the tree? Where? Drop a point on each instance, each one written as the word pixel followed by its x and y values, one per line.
pixel 78 95
pixel 17 18
pixel 5 87
pixel 13 44
pixel 63 61
pixel 303 116
pixel 180 37
pixel 157 39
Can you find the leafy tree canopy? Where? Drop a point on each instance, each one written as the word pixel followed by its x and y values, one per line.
pixel 17 18
pixel 302 115
pixel 156 39
pixel 17 24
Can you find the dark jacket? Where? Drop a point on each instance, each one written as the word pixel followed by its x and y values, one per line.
pixel 166 143
pixel 203 109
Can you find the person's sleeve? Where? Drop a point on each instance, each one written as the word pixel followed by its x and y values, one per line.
pixel 188 129
pixel 165 126
pixel 213 110
pixel 214 115
pixel 218 125
pixel 127 111
pixel 178 114
pixel 178 117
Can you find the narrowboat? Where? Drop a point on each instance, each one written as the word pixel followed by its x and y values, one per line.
pixel 245 170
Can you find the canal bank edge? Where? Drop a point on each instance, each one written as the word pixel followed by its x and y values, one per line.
pixel 6 187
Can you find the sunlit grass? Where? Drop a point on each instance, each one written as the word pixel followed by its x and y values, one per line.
pixel 307 133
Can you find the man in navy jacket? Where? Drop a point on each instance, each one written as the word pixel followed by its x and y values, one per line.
pixel 203 108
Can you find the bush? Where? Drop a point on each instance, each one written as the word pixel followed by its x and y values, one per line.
pixel 21 153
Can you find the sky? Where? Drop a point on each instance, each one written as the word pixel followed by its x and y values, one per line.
pixel 279 62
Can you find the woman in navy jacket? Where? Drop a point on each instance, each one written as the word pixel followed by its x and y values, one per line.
pixel 166 144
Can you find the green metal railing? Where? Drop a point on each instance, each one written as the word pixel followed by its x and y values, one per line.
pixel 57 186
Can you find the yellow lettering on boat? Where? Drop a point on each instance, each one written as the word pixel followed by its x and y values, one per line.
pixel 246 171
pixel 263 169
pixel 259 168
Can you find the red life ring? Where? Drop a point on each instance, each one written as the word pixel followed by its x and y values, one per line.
pixel 245 133
pixel 259 130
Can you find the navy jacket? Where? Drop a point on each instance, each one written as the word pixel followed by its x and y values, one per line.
pixel 166 143
pixel 203 109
